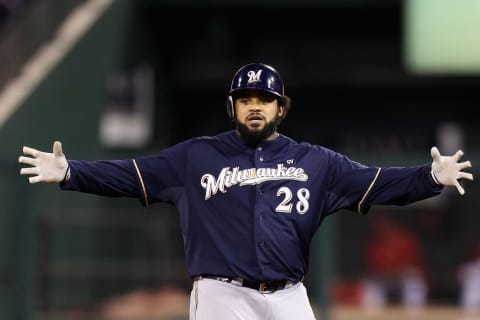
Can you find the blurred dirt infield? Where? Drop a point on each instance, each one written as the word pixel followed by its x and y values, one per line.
pixel 398 313
pixel 175 311
pixel 172 304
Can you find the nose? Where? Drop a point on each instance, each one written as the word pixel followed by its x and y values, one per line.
pixel 255 105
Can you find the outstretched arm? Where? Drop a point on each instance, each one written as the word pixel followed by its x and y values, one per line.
pixel 112 178
pixel 446 170
pixel 45 166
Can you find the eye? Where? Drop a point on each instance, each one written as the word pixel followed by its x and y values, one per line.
pixel 266 99
pixel 244 100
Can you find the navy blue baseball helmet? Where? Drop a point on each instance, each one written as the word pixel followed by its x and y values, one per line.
pixel 257 76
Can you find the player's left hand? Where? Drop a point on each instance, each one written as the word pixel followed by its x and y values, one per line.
pixel 446 170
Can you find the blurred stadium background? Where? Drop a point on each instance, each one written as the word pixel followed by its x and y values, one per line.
pixel 381 81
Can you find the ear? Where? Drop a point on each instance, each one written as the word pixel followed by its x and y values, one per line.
pixel 281 111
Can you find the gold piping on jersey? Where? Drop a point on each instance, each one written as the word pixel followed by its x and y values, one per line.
pixel 141 182
pixel 368 190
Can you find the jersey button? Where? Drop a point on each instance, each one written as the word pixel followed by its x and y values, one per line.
pixel 262 243
pixel 259 148
pixel 261 159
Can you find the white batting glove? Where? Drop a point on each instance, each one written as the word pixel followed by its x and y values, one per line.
pixel 47 167
pixel 446 170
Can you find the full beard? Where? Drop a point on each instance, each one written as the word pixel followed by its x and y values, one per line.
pixel 252 136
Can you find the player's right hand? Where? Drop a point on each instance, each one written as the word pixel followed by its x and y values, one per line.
pixel 46 167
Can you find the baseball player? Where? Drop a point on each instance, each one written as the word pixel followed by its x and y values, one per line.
pixel 250 199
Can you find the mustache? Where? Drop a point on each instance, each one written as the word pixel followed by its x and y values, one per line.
pixel 255 115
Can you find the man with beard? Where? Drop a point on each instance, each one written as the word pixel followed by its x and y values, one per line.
pixel 250 199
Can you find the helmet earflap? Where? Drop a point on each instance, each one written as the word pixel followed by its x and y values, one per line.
pixel 230 108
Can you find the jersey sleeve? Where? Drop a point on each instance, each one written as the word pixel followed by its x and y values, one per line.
pixel 153 178
pixel 400 186
pixel 357 187
pixel 111 178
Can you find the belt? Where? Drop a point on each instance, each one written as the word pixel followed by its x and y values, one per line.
pixel 262 287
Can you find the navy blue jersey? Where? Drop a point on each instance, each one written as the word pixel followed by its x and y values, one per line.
pixel 251 212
